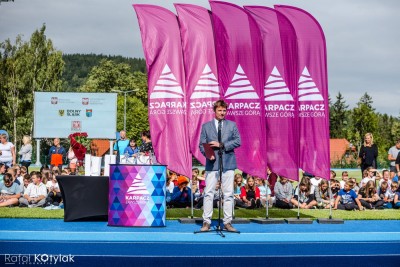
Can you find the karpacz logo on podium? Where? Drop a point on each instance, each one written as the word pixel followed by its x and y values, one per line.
pixel 137 192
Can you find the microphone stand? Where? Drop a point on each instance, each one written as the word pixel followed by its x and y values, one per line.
pixel 218 229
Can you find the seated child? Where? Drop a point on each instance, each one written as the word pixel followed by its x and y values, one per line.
pixel 356 186
pixel 387 195
pixel 345 178
pixel 347 198
pixel 369 197
pixel 265 192
pixel 54 195
pixel 396 200
pixel 10 192
pixel 35 194
pixel 27 180
pixel 250 194
pixel 283 193
pixel 181 196
pixel 322 195
pixel 302 195
pixel 237 186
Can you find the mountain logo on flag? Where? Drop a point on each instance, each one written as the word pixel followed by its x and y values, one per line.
pixel 207 86
pixel 275 88
pixel 308 90
pixel 167 86
pixel 138 187
pixel 240 87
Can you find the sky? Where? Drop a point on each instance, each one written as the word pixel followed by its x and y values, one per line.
pixel 362 37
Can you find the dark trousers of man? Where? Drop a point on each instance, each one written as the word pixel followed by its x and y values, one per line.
pixel 347 206
pixel 283 205
pixel 372 205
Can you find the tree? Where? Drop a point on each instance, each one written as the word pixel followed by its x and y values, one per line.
pixel 27 67
pixel 137 119
pixel 338 117
pixel 109 76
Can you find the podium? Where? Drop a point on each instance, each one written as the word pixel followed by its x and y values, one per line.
pixel 137 195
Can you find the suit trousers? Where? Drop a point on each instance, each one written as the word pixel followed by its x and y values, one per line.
pixel 212 179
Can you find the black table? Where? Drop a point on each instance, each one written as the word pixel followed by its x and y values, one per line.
pixel 84 197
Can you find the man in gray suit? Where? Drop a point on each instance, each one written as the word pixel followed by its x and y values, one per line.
pixel 220 134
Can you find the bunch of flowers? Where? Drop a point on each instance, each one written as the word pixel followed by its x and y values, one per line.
pixel 79 143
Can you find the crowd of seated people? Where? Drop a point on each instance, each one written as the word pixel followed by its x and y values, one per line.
pixel 375 191
pixel 34 189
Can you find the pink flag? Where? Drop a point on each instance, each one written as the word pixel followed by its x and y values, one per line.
pixel 312 91
pixel 280 92
pixel 201 70
pixel 241 76
pixel 167 106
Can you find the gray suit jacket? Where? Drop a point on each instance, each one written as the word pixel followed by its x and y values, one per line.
pixel 231 139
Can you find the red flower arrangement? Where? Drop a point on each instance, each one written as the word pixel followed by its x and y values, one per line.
pixel 79 143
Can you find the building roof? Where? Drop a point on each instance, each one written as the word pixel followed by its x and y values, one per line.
pixel 339 148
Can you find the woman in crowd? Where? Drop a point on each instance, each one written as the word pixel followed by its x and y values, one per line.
pixel 302 195
pixel 146 150
pixel 369 197
pixel 250 194
pixel 7 151
pixel 368 153
pixel 73 160
pixel 25 152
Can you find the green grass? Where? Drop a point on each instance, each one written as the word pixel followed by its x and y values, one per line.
pixel 172 214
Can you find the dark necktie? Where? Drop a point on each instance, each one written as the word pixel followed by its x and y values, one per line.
pixel 219 131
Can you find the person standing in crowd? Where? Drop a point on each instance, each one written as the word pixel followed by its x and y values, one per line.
pixel 56 154
pixel 73 160
pixel 120 145
pixel 223 136
pixel 392 156
pixel 368 153
pixel 147 146
pixel 397 164
pixel 25 152
pixel 146 149
pixel 7 151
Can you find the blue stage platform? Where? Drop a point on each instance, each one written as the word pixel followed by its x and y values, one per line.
pixel 367 243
